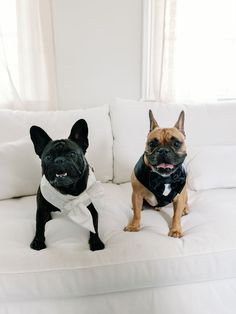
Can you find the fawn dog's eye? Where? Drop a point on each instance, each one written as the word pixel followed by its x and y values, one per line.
pixel 177 144
pixel 153 143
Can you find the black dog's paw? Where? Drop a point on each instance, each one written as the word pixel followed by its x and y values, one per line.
pixel 37 244
pixel 96 244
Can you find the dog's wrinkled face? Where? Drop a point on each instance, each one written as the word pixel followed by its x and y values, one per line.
pixel 63 161
pixel 165 147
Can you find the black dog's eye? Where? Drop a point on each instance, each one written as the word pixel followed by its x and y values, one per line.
pixel 177 144
pixel 48 157
pixel 153 143
pixel 72 154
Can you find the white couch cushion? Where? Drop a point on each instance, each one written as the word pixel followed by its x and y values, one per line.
pixel 15 125
pixel 211 167
pixel 204 125
pixel 20 169
pixel 131 261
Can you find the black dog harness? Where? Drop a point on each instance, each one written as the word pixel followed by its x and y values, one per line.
pixel 156 183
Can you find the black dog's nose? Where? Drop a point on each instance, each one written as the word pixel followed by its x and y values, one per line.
pixel 163 151
pixel 59 160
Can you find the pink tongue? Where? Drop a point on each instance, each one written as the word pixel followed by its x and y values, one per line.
pixel 165 166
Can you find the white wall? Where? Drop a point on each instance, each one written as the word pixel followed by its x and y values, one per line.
pixel 98 50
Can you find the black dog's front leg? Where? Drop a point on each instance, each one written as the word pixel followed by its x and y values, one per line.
pixel 38 242
pixel 94 241
pixel 43 215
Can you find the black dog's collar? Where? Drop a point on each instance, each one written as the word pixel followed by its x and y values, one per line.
pixel 155 183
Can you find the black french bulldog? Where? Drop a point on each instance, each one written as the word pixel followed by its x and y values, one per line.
pixel 66 169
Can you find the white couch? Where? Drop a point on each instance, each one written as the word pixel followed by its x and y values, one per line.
pixel 145 272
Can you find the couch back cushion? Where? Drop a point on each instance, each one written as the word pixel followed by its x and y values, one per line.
pixel 18 160
pixel 205 125
pixel 211 167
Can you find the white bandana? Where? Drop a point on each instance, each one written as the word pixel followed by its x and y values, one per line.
pixel 75 207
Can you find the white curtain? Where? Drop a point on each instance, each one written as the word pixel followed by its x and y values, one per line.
pixel 195 50
pixel 27 59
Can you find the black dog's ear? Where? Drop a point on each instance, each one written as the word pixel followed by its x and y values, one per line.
pixel 39 138
pixel 79 134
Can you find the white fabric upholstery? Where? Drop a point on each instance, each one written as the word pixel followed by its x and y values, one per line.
pixel 21 167
pixel 131 261
pixel 217 296
pixel 211 167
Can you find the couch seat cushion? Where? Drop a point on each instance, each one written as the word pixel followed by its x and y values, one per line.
pixel 131 261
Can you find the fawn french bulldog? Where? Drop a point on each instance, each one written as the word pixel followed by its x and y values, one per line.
pixel 159 177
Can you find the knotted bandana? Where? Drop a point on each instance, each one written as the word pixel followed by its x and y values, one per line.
pixel 75 207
